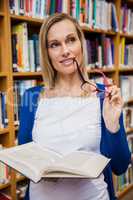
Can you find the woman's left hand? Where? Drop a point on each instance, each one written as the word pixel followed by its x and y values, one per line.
pixel 112 108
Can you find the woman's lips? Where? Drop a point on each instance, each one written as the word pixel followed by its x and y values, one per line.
pixel 67 61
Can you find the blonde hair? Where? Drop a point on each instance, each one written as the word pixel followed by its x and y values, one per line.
pixel 48 72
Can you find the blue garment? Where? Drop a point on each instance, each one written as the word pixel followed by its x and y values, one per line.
pixel 114 146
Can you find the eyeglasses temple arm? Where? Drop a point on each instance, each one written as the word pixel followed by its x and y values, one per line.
pixel 84 81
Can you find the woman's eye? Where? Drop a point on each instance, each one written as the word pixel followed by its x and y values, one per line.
pixel 54 45
pixel 71 39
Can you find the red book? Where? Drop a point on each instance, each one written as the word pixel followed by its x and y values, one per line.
pixel 4 197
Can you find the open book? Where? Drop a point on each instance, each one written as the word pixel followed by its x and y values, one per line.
pixel 36 162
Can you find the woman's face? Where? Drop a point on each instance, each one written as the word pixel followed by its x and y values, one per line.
pixel 63 46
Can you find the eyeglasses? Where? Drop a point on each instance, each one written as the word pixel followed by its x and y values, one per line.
pixel 97 89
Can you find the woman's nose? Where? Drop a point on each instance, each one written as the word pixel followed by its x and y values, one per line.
pixel 65 50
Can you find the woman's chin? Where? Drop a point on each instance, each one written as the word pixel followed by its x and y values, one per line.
pixel 69 71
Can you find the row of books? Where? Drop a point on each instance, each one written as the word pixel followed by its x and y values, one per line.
pixel 95 13
pixel 130 141
pixel 126 52
pixel 126 82
pixel 3 110
pixel 19 88
pixel 126 179
pixel 100 52
pixel 126 19
pixel 25 50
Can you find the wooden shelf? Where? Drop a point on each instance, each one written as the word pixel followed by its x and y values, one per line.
pixel 129 1
pixel 129 130
pixel 2 14
pixel 126 69
pixel 130 101
pixel 2 74
pixel 4 131
pixel 86 28
pixel 40 21
pixel 3 186
pixel 20 178
pixel 26 74
pixel 126 35
pixel 124 191
pixel 102 69
pixel 39 74
pixel 26 19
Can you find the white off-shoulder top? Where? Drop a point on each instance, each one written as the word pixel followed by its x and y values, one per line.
pixel 65 124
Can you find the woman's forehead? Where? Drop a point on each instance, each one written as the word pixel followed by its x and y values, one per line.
pixel 61 29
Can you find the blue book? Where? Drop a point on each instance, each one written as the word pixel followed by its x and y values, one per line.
pixel 3 109
pixel 113 52
pixel 35 38
pixel 114 19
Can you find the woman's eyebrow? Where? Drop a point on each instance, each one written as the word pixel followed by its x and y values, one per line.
pixel 71 34
pixel 55 40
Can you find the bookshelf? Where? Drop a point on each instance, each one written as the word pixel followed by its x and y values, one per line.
pixel 125 191
pixel 8 77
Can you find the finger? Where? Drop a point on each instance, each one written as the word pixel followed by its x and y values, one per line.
pixel 113 91
pixel 116 98
pixel 113 88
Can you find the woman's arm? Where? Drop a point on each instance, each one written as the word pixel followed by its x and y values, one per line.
pixel 118 149
pixel 114 143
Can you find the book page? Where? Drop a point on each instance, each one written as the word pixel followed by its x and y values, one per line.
pixel 30 159
pixel 82 163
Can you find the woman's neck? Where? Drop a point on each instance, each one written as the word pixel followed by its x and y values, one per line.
pixel 68 86
pixel 68 82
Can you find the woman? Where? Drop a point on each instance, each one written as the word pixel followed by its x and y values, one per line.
pixel 66 117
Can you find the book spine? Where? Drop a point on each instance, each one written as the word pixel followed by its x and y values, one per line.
pixel 31 55
pixel 52 7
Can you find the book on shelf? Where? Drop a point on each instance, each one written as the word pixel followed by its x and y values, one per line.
pixel 20 47
pixel 36 162
pixel 4 171
pixel 95 13
pixel 3 110
pixel 126 52
pixel 100 50
pixel 126 82
pixel 126 19
pixel 128 117
pixel 4 196
pixel 130 141
pixel 25 49
pixel 19 88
